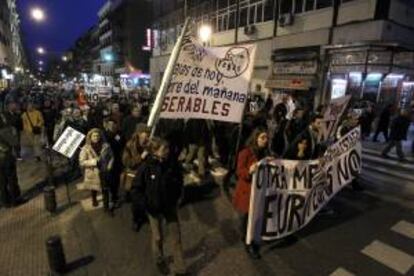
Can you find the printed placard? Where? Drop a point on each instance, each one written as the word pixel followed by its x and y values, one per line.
pixel 68 142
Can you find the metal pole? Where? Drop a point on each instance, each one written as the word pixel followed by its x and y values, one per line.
pixel 156 109
pixel 236 29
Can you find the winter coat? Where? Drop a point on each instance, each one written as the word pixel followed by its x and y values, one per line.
pixel 399 128
pixel 36 120
pixel 14 119
pixel 131 157
pixel 94 165
pixel 159 185
pixel 241 198
pixel 384 120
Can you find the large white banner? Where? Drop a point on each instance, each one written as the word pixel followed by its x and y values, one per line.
pixel 68 142
pixel 209 82
pixel 287 194
pixel 332 117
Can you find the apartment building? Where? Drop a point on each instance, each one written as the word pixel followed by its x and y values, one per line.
pixel 314 50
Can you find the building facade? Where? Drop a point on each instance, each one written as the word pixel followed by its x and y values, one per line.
pixel 13 61
pixel 314 50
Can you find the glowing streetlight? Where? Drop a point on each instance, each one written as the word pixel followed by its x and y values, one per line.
pixel 41 50
pixel 65 58
pixel 108 57
pixel 38 14
pixel 204 33
pixel 40 62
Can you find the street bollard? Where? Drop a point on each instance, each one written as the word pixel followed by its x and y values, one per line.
pixel 50 199
pixel 55 254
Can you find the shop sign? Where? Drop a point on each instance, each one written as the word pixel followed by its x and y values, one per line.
pixel 295 67
pixel 379 57
pixel 294 84
pixel 349 58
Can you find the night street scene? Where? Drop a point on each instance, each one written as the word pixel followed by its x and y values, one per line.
pixel 206 137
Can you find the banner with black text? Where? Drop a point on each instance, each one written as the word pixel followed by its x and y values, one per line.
pixel 287 194
pixel 209 82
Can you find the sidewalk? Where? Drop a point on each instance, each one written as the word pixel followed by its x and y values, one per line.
pixel 108 245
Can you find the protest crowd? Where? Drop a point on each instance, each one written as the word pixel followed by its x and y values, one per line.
pixel 122 161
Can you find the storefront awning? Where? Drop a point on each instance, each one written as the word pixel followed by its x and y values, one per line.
pixel 296 82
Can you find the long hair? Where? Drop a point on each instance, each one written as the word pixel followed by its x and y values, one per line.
pixel 89 136
pixel 252 142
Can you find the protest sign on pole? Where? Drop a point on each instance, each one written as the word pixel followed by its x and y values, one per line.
pixel 155 111
pixel 287 194
pixel 209 82
pixel 68 142
pixel 332 116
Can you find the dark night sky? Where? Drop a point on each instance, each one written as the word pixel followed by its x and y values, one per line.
pixel 65 21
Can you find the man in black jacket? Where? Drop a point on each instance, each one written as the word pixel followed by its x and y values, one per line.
pixel 399 129
pixel 158 183
pixel 9 187
pixel 383 123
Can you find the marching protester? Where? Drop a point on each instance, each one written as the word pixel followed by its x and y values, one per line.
pixel 116 142
pixel 33 124
pixel 159 183
pixel 399 131
pixel 9 187
pixel 306 145
pixel 116 115
pixel 247 164
pixel 49 116
pixel 65 117
pixel 77 121
pixel 135 152
pixel 198 138
pixel 96 159
pixel 383 123
pixel 366 120
pixel 130 122
pixel 13 117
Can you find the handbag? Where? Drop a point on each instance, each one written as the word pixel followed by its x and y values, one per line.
pixel 127 178
pixel 35 129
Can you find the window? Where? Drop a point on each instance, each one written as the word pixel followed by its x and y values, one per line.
pixel 299 6
pixel 320 4
pixel 243 17
pixel 259 12
pixel 309 5
pixel 268 10
pixel 252 15
pixel 286 7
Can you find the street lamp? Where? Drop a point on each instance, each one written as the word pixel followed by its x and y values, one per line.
pixel 40 50
pixel 65 58
pixel 40 62
pixel 38 14
pixel 108 57
pixel 204 33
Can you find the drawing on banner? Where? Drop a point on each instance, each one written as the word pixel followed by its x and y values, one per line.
pixel 287 194
pixel 209 82
pixel 332 116
pixel 69 142
pixel 235 63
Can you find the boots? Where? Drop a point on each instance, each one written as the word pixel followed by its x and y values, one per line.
pixel 94 195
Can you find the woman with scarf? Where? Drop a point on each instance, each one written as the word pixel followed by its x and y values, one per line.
pixel 96 158
pixel 247 163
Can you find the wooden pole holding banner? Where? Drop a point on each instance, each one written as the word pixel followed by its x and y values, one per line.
pixel 156 109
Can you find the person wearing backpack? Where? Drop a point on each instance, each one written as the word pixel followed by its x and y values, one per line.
pixel 159 183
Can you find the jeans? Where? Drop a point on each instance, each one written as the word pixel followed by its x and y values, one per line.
pixel 156 224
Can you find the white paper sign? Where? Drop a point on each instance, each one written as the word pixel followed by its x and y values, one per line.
pixel 68 142
pixel 209 83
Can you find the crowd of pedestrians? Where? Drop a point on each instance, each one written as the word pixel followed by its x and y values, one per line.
pixel 120 160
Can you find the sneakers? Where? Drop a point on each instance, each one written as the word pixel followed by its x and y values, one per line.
pixel 162 266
